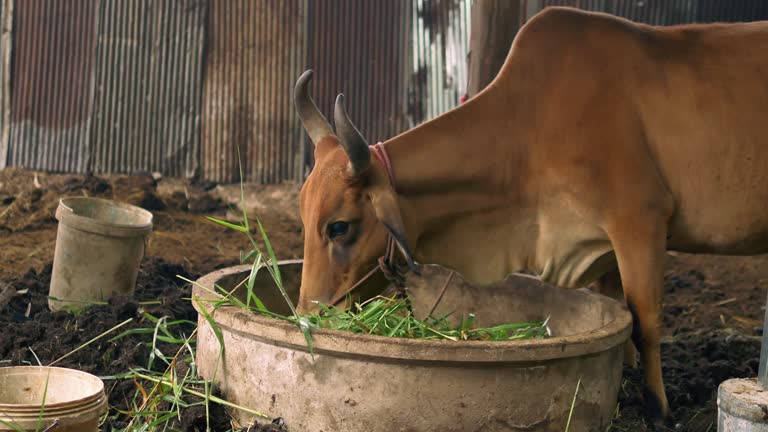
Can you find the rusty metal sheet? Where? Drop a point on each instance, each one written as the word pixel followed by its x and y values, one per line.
pixel 254 53
pixel 179 86
pixel 53 46
pixel 148 76
pixel 440 42
pixel 364 56
pixel 399 63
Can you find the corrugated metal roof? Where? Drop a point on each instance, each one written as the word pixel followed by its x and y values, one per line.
pixel 255 52
pixel 146 115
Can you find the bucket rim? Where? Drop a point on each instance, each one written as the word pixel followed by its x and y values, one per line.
pixel 86 401
pixel 65 204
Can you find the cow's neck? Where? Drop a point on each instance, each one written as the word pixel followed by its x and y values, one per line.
pixel 461 180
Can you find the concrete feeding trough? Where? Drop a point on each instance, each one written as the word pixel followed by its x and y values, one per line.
pixel 373 383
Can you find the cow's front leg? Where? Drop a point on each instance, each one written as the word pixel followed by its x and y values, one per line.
pixel 610 285
pixel 640 247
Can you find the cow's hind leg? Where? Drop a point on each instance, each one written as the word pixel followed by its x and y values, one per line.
pixel 610 285
pixel 640 245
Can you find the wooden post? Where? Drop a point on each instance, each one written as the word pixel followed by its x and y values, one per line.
pixel 494 26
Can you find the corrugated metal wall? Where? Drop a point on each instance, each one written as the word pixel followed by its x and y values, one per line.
pixel 254 53
pixel 399 63
pixel 177 86
pixel 361 49
pixel 440 46
pixel 146 114
pixel 52 83
pixel 106 85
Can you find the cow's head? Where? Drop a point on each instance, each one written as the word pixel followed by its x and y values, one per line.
pixel 348 208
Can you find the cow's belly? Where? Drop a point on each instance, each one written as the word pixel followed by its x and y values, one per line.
pixel 723 231
pixel 721 206
pixel 576 257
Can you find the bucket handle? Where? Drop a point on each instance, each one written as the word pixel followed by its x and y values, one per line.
pixel 55 425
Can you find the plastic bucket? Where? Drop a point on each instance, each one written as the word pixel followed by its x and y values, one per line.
pixel 75 398
pixel 741 406
pixel 99 247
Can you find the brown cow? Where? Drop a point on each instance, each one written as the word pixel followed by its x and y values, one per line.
pixel 601 144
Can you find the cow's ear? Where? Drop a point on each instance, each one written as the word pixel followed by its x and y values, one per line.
pixel 384 202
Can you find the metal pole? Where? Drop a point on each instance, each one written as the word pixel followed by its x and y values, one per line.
pixel 762 373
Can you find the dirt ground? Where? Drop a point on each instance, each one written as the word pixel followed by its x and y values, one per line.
pixel 713 306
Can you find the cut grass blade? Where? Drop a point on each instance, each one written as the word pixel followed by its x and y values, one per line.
pixel 243 229
pixel 249 286
pixel 144 414
pixel 573 404
pixel 84 302
pixel 138 331
pixel 13 426
pixel 42 405
pixel 34 355
pixel 202 395
pixel 90 341
pixel 242 189
pixel 271 264
pixel 154 353
pixel 272 257
pixel 214 327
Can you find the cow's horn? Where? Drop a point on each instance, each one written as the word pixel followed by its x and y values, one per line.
pixel 351 139
pixel 315 124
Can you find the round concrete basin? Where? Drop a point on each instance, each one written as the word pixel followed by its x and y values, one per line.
pixel 359 382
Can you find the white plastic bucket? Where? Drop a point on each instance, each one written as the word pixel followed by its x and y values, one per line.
pixel 741 406
pixel 99 247
pixel 73 398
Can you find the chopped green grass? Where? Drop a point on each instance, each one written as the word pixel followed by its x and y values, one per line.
pixel 392 317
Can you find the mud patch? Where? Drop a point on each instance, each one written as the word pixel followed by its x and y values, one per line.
pixel 708 339
pixel 30 329
pixel 694 365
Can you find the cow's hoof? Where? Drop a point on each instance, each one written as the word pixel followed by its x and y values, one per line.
pixel 662 425
pixel 657 416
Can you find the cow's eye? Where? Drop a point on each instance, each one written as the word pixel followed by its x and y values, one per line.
pixel 337 229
